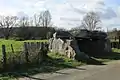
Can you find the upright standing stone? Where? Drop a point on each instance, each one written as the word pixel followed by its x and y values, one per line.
pixel 65 44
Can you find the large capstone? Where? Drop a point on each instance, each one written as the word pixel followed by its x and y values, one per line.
pixel 94 43
pixel 80 46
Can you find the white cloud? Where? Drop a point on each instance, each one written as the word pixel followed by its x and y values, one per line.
pixel 65 13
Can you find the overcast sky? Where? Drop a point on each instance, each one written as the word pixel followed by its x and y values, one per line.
pixel 66 13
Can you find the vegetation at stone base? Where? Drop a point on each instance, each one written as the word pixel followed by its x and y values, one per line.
pixel 53 63
pixel 116 50
pixel 67 61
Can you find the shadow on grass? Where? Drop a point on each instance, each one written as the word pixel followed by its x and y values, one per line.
pixel 110 56
pixel 47 66
pixel 93 61
pixel 52 65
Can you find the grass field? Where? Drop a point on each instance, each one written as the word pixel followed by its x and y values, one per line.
pixel 112 40
pixel 17 45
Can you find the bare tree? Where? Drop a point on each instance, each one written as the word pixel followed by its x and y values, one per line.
pixel 45 18
pixel 37 20
pixel 75 30
pixel 23 21
pixel 91 21
pixel 30 21
pixel 6 24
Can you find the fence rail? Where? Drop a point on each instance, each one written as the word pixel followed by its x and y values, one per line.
pixel 33 52
pixel 115 45
pixel 115 42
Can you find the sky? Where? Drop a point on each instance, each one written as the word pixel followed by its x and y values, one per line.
pixel 66 13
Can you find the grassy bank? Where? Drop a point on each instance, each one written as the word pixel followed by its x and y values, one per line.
pixel 53 63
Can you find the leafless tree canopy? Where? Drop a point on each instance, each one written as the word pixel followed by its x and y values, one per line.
pixel 37 19
pixel 42 19
pixel 23 21
pixel 46 18
pixel 7 22
pixel 91 21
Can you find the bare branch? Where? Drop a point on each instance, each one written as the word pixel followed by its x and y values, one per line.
pixel 91 21
pixel 23 22
pixel 6 23
pixel 43 19
pixel 46 18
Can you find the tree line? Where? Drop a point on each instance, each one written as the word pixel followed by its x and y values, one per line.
pixel 42 19
pixel 91 21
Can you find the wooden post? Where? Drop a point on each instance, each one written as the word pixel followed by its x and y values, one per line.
pixel 119 43
pixel 45 50
pixel 42 50
pixel 42 45
pixel 47 46
pixel 119 39
pixel 40 53
pixel 28 45
pixel 26 52
pixel 12 48
pixel 37 45
pixel 115 38
pixel 111 45
pixel 4 56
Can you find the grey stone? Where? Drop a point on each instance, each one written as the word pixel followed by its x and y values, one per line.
pixel 108 46
pixel 66 44
pixel 67 47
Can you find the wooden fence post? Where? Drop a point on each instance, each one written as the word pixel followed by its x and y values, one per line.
pixel 12 48
pixel 115 38
pixel 119 43
pixel 111 45
pixel 45 49
pixel 42 51
pixel 4 56
pixel 26 52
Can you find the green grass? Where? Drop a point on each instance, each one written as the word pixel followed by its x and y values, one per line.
pixel 67 61
pixel 52 64
pixel 116 50
pixel 7 78
pixel 17 45
pixel 112 40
